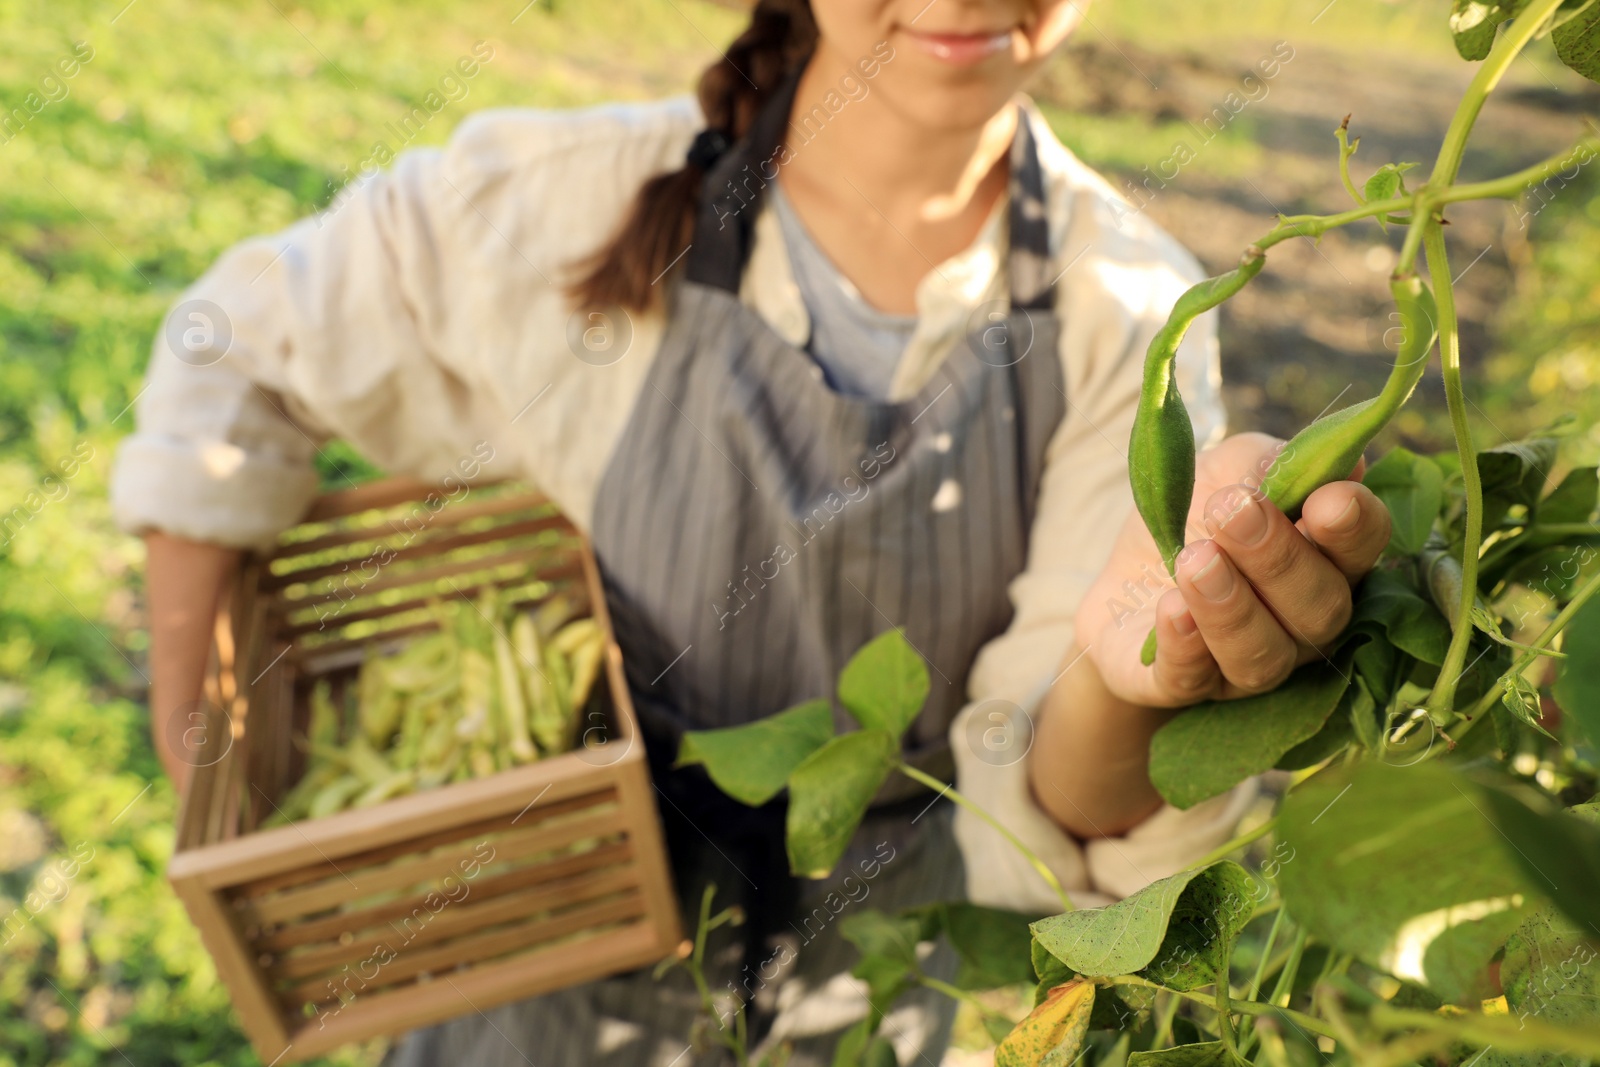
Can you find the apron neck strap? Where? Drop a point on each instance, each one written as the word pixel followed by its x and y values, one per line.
pixel 731 196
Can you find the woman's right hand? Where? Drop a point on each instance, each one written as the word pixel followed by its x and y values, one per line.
pixel 183 583
pixel 1257 594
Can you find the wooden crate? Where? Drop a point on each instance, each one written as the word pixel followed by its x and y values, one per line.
pixel 425 907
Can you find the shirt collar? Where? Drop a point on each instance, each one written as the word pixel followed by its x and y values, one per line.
pixel 947 297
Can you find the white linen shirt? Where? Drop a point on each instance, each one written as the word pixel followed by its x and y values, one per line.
pixel 421 318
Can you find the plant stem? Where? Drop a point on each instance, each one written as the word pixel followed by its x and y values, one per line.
pixel 954 993
pixel 1514 184
pixel 1222 1001
pixel 1566 529
pixel 1225 850
pixel 1441 702
pixel 1242 1007
pixel 1547 635
pixel 1291 969
pixel 1168 1012
pixel 1247 1034
pixel 1407 1050
pixel 1513 1035
pixel 955 794
pixel 1521 30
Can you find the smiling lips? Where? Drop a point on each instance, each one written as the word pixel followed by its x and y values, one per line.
pixel 961 49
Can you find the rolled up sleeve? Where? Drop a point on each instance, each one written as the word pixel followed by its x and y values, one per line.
pixel 374 322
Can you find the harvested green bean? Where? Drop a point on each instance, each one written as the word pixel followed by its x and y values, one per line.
pixel 482 694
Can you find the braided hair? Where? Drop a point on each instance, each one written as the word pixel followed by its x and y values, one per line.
pixel 660 224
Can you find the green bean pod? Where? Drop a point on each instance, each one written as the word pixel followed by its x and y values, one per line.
pixel 1161 452
pixel 1329 448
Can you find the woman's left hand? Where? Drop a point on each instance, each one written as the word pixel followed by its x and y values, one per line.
pixel 1256 594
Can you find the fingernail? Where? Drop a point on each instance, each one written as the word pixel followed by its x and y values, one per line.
pixel 1348 518
pixel 1214 580
pixel 1183 622
pixel 1246 523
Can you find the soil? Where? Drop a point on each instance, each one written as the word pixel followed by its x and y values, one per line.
pixel 1309 332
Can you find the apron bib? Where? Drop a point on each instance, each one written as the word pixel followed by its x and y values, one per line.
pixel 754 527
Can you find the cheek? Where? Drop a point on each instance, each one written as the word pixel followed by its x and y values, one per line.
pixel 1056 19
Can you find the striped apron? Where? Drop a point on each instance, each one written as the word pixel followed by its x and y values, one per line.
pixel 754 528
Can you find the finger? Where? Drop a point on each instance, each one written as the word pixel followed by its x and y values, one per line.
pixel 1349 524
pixel 1309 595
pixel 1184 671
pixel 1252 650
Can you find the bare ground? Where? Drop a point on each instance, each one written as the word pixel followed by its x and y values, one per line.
pixel 1311 327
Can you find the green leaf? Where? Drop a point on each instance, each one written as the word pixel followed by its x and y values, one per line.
pixel 1053 1033
pixel 891 938
pixel 1412 488
pixel 751 763
pixel 1577 42
pixel 1211 747
pixel 995 945
pixel 1388 602
pixel 1366 719
pixel 1514 473
pixel 1205 1054
pixel 1577 687
pixel 1549 972
pixel 1457 961
pixel 1336 735
pixel 1387 859
pixel 861 1046
pixel 1558 570
pixel 1474 22
pixel 1574 499
pixel 1386 181
pixel 1048 971
pixel 885 684
pixel 1521 698
pixel 1139 932
pixel 828 795
pixel 1557 851
pixel 1204 925
pixel 879 1053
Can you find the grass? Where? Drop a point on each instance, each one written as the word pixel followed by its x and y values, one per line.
pixel 191 126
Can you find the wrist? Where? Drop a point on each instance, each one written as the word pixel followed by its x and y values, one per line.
pixel 1089 768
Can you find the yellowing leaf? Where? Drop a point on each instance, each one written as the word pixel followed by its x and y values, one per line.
pixel 1052 1035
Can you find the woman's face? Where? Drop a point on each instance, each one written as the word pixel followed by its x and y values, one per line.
pixel 943 63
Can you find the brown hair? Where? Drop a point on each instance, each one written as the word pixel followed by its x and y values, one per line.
pixel 660 223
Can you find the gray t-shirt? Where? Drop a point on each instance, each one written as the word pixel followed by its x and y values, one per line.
pixel 857 346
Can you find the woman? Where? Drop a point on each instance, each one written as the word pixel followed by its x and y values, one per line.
pixel 852 344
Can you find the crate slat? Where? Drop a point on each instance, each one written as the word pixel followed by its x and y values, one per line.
pixel 420 843
pixel 332 927
pixel 387 526
pixel 452 920
pixel 344 888
pixel 479 988
pixel 489 945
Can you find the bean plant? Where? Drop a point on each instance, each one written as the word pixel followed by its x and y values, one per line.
pixel 1427 890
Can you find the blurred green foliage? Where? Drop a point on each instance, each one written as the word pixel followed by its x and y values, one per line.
pixel 1547 362
pixel 191 126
